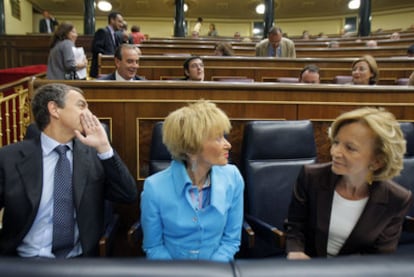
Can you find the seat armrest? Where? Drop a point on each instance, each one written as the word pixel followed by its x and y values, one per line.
pixel 267 232
pixel 107 239
pixel 135 233
pixel 408 225
pixel 248 234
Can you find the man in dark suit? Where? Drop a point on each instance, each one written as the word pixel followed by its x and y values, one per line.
pixel 126 63
pixel 48 23
pixel 28 186
pixel 105 40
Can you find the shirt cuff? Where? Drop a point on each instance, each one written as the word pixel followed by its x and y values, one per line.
pixel 106 155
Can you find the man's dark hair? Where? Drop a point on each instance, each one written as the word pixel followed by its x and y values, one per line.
pixel 112 15
pixel 43 95
pixel 118 50
pixel 186 63
pixel 275 29
pixel 311 68
pixel 135 28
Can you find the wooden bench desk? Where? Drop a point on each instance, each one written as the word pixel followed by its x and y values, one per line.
pixel 261 69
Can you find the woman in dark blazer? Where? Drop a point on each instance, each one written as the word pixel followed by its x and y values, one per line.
pixel 351 206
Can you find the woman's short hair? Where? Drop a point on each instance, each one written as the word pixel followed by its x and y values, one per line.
pixel 61 33
pixel 185 130
pixel 390 144
pixel 372 63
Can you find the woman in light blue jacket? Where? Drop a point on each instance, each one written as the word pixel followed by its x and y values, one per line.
pixel 193 210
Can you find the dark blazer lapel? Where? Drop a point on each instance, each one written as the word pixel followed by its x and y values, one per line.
pixel 324 206
pixel 373 213
pixel 81 164
pixel 31 171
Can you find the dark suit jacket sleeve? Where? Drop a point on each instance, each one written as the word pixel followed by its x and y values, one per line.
pixel 42 26
pixel 99 44
pixel 388 239
pixel 296 222
pixel 110 76
pixel 120 185
pixel 54 22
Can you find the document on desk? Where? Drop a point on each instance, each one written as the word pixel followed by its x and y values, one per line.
pixel 79 53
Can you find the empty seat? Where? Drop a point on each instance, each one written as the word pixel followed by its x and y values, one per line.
pixel 402 81
pixel 273 153
pixel 232 79
pixel 160 157
pixel 287 80
pixel 406 179
pixel 342 79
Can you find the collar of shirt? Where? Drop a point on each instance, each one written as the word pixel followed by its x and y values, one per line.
pixel 120 78
pixel 49 144
pixel 218 191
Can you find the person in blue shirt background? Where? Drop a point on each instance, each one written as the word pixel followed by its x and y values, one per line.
pixel 193 210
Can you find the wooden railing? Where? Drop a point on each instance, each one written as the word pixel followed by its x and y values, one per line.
pixel 15 114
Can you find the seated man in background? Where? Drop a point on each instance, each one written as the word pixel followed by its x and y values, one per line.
pixel 194 69
pixel 126 62
pixel 275 45
pixel 310 74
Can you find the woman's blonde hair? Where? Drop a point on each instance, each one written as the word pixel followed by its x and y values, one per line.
pixel 184 130
pixel 390 144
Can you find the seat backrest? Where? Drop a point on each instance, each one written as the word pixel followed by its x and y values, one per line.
pixel 273 152
pixel 160 157
pixel 406 177
pixel 241 79
pixel 287 80
pixel 342 79
pixel 402 81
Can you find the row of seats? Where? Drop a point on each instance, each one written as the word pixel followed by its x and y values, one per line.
pixel 273 153
pixel 339 79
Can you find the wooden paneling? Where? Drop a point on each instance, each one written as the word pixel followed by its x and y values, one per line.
pixel 22 50
pixel 134 107
pixel 18 50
